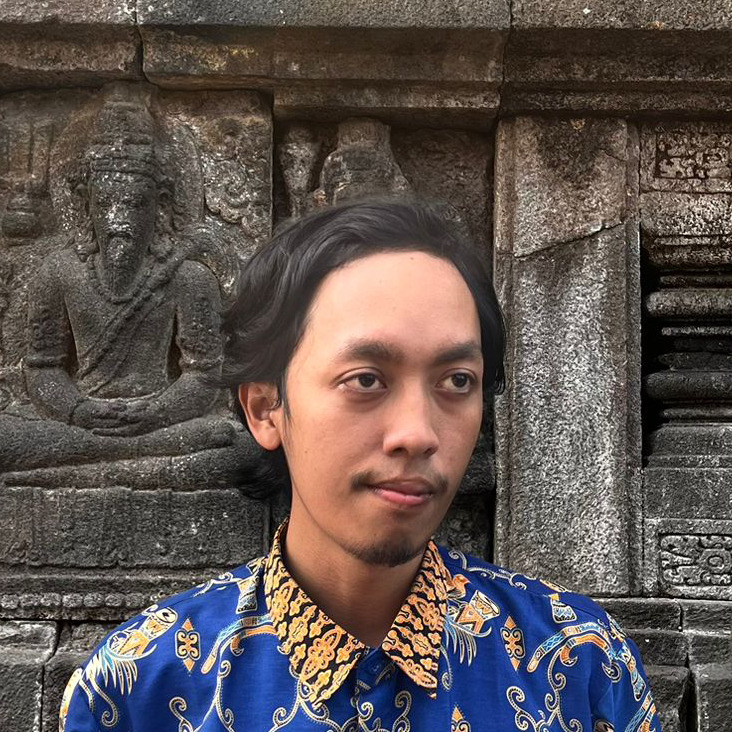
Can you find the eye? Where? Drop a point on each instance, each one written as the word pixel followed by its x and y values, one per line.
pixel 365 382
pixel 460 382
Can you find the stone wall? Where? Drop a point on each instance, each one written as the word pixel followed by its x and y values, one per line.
pixel 587 149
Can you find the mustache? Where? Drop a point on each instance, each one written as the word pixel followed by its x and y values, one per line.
pixel 367 478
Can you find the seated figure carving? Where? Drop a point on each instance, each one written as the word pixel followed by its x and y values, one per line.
pixel 123 325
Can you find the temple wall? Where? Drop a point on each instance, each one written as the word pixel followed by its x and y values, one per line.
pixel 586 147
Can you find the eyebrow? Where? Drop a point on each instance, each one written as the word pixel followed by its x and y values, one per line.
pixel 367 349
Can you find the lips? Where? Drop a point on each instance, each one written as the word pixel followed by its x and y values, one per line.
pixel 404 493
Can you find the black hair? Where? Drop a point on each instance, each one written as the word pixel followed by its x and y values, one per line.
pixel 265 324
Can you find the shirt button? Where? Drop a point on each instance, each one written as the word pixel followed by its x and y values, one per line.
pixel 377 667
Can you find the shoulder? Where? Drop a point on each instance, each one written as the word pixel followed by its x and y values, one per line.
pixel 519 590
pixel 544 616
pixel 195 274
pixel 58 263
pixel 210 605
pixel 162 645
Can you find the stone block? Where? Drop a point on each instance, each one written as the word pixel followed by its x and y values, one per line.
pixel 453 107
pixel 567 432
pixel 671 687
pixel 554 161
pixel 360 14
pixel 714 697
pixel 647 613
pixel 102 546
pixel 67 43
pixel 25 647
pixel 686 492
pixel 689 558
pixel 656 15
pixel 668 214
pixel 708 617
pixel 661 647
pixel 395 59
pixel 709 648
pixel 617 57
pixel 118 527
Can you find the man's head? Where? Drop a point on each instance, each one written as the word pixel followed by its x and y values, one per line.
pixel 121 183
pixel 364 342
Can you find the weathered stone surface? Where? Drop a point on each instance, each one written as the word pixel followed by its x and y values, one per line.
pixel 709 617
pixel 383 15
pixel 621 57
pixel 55 542
pixel 67 43
pixel 686 183
pixel 466 526
pixel 710 648
pixel 569 180
pixel 689 558
pixel 453 107
pixel 714 696
pixel 398 58
pixel 657 15
pixel 119 527
pixel 671 690
pixel 646 613
pixel 25 648
pixel 661 647
pixel 325 164
pixel 567 432
pixel 689 492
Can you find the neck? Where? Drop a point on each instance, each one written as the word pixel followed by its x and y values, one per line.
pixel 362 598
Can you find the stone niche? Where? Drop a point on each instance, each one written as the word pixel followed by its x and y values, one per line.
pixel 124 215
pixel 321 163
pixel 686 231
pixel 686 199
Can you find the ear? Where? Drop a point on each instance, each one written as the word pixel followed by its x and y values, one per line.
pixel 258 400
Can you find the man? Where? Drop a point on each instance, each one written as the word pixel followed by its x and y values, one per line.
pixel 363 345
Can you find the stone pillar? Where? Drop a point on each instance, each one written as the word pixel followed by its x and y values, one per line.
pixel 24 648
pixel 567 427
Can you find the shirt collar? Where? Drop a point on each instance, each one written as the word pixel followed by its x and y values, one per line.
pixel 322 654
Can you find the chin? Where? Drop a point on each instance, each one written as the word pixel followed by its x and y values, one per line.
pixel 389 553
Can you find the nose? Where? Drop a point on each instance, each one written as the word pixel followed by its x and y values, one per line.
pixel 410 427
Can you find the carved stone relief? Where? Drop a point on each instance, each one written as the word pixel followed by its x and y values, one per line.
pixel 124 215
pixel 686 179
pixel 114 338
pixel 322 164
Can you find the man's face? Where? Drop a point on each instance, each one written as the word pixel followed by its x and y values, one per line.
pixel 123 207
pixel 385 404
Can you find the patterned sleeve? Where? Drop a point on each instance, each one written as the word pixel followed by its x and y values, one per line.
pixel 75 715
pixel 627 705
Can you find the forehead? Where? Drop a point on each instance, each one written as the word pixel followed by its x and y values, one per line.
pixel 410 299
pixel 120 180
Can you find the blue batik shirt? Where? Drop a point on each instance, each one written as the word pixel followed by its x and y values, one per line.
pixel 474 648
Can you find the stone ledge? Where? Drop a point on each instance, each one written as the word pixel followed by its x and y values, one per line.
pixel 73 43
pixel 657 15
pixel 489 14
pixel 456 66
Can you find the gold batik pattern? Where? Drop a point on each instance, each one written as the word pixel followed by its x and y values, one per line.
pixel 322 654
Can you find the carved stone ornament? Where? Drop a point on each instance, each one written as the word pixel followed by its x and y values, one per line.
pixel 157 199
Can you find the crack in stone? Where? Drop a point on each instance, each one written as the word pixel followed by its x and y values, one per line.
pixel 604 226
